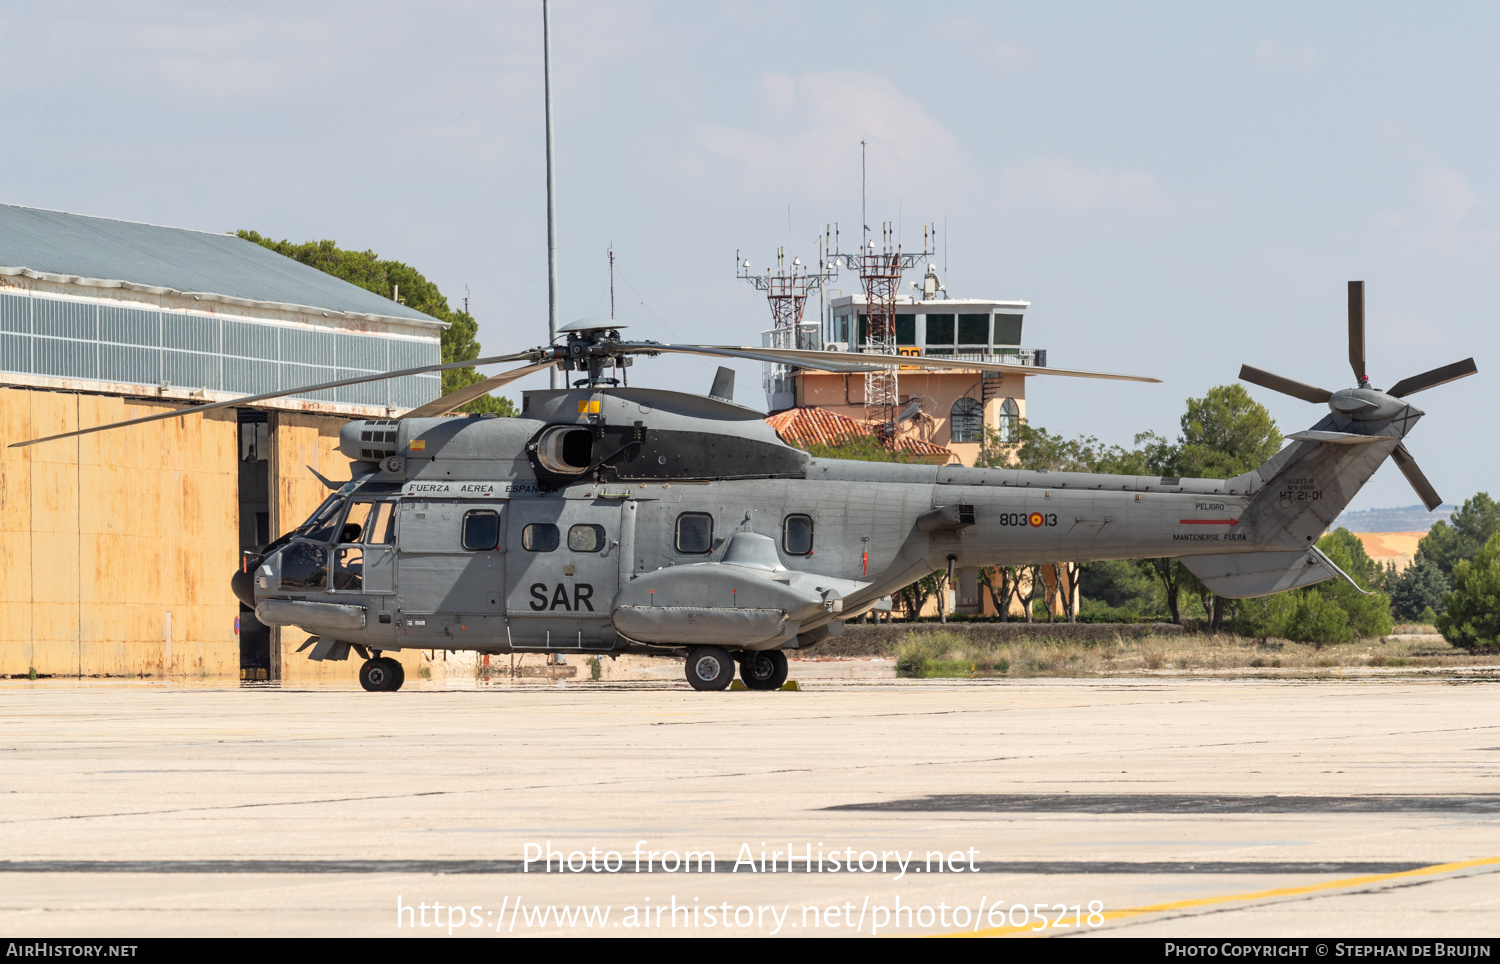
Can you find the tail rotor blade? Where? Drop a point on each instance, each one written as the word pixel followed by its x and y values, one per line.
pixel 1308 393
pixel 1357 331
pixel 1438 376
pixel 1408 467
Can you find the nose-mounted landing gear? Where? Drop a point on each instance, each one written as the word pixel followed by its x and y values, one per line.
pixel 381 675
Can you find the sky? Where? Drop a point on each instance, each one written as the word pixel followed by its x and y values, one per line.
pixel 1177 188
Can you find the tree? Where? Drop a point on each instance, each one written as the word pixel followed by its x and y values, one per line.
pixel 1472 616
pixel 1225 433
pixel 1330 612
pixel 369 271
pixel 1448 543
pixel 860 448
pixel 1419 586
pixel 1003 584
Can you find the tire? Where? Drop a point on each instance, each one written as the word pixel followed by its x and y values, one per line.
pixel 376 675
pixel 398 673
pixel 764 670
pixel 709 668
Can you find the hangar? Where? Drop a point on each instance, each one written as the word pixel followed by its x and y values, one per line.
pixel 116 548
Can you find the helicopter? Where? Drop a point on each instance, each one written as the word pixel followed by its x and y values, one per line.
pixel 608 519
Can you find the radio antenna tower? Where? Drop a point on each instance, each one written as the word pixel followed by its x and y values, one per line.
pixel 880 272
pixel 787 292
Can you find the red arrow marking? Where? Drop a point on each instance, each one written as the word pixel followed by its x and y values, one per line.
pixel 1208 522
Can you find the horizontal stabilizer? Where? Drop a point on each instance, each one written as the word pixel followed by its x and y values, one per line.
pixel 1241 575
pixel 1337 438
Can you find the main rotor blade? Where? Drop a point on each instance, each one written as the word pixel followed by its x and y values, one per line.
pixel 866 361
pixel 266 396
pixel 1438 376
pixel 1308 393
pixel 1408 467
pixel 444 404
pixel 1357 331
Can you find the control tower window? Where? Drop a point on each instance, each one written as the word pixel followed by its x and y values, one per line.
pixel 1010 421
pixel 973 329
pixel 1007 329
pixel 939 329
pixel 966 421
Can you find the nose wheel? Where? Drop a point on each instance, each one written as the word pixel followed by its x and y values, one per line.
pixel 709 668
pixel 764 670
pixel 381 675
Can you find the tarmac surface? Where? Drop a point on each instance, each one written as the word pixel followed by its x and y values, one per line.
pixel 1135 807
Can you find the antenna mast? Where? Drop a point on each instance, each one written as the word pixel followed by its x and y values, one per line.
pixel 880 275
pixel 551 198
pixel 786 292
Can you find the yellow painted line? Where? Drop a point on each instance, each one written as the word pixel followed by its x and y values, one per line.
pixel 1257 895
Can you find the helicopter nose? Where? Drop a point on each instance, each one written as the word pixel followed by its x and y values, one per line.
pixel 242 583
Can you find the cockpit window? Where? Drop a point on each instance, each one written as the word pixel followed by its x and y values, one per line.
pixel 369 522
pixel 321 526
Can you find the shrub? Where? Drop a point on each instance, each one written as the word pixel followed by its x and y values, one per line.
pixel 1472 610
pixel 1315 618
pixel 1418 588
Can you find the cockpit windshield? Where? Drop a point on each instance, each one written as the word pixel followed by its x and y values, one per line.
pixel 321 525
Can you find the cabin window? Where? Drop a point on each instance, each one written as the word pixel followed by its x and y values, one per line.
pixel 539 537
pixel 966 421
pixel 586 538
pixel 797 535
pixel 481 529
pixel 695 532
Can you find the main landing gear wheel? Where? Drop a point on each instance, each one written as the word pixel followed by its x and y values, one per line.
pixel 709 668
pixel 764 670
pixel 381 674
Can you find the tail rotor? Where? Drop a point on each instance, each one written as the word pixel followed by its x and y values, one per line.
pixel 1363 403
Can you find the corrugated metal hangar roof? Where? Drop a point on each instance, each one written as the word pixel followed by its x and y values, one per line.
pixel 102 250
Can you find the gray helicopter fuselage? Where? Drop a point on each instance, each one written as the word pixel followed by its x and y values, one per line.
pixel 617 519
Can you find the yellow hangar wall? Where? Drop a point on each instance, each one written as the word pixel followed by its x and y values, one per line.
pixel 115 545
pixel 116 548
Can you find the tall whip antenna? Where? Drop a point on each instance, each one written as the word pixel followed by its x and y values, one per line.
pixel 551 198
